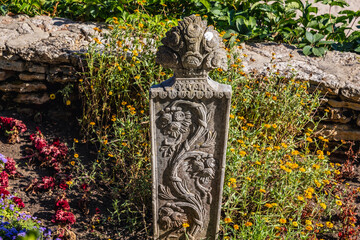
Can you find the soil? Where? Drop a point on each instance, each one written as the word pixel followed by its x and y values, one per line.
pixel 42 205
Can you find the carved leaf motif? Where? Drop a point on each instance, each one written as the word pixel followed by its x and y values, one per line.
pixel 209 140
pixel 165 193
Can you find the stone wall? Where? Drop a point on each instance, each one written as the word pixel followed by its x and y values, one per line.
pixel 40 55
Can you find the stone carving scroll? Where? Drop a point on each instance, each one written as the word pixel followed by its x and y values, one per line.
pixel 189 123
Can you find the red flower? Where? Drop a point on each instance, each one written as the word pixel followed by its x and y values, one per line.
pixel 47 182
pixel 4 179
pixel 4 192
pixel 62 204
pixel 19 202
pixel 63 217
pixel 63 185
pixel 10 166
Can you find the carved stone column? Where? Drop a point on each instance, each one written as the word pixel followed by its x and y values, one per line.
pixel 189 127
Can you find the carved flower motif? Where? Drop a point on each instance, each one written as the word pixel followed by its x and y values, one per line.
pixel 203 168
pixel 173 39
pixel 194 30
pixel 166 57
pixel 216 59
pixel 171 216
pixel 211 40
pixel 174 121
pixel 192 60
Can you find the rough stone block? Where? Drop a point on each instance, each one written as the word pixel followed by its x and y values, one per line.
pixel 31 98
pixel 22 87
pixel 36 68
pixel 18 66
pixel 31 77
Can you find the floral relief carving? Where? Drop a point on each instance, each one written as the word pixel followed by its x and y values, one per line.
pixel 187 160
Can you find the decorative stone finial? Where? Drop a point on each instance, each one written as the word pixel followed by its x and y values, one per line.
pixel 192 49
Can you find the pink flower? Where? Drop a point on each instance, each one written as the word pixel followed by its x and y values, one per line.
pixel 47 183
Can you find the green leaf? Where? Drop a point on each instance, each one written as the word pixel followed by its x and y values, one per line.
pixel 206 5
pixel 307 50
pixel 310 37
pixel 318 37
pixel 316 52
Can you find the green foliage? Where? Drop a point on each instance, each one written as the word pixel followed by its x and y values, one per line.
pixel 271 176
pixel 243 20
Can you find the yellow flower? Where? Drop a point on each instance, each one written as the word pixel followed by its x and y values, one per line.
pixel 302 169
pixel 68 102
pixel 92 123
pixel 309 228
pixel 268 205
pixel 227 220
pixel 262 190
pixel 282 220
pixel 247 178
pixel 242 153
pixel 295 152
pixel 323 205
pixel 76 155
pixel 52 96
pixel 232 116
pixel 141 25
pixel 124 144
pixel 319 225
pixel 248 224
pixel 321 157
pixel 329 225
pixel 258 163
pixel 232 180
pixel 185 225
pixel 338 202
pixel 75 140
pixel 308 222
pixel 284 145
pixel 110 155
pixel 301 198
pixel 236 227
pixel 274 126
pixel 274 98
pixel 316 166
pixel 267 125
pixel 295 224
pixel 137 77
pixel 337 172
pixel 72 163
pixel 110 93
pixel 309 139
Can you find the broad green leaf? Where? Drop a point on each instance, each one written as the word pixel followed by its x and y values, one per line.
pixel 307 50
pixel 310 37
pixel 357 49
pixel 316 52
pixel 318 37
pixel 206 5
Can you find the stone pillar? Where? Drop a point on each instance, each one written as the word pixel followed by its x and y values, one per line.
pixel 189 128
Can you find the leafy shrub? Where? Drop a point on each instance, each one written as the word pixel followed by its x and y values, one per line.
pixel 289 21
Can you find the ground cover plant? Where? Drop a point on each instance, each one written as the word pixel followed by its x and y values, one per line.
pixel 289 21
pixel 279 183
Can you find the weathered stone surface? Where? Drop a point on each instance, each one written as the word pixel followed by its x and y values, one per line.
pixel 63 69
pixel 18 66
pixel 343 104
pixel 338 71
pixel 339 132
pixel 37 99
pixel 43 39
pixel 5 75
pixel 22 87
pixel 36 68
pixel 60 79
pixel 189 122
pixel 31 77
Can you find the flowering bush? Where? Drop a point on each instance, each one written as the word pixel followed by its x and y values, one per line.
pixel 12 128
